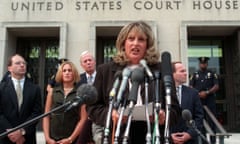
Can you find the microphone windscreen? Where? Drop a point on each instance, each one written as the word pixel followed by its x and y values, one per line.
pixel 166 64
pixel 186 115
pixel 143 62
pixel 88 93
pixel 166 68
pixel 137 75
pixel 126 72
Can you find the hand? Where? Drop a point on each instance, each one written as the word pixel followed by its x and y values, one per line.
pixel 51 141
pixel 115 116
pixel 49 89
pixel 15 136
pixel 180 137
pixel 162 117
pixel 202 94
pixel 21 140
pixel 64 141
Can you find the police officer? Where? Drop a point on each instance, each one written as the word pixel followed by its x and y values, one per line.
pixel 206 82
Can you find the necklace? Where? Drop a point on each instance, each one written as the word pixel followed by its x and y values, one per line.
pixel 67 89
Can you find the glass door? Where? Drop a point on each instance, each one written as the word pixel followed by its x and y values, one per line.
pixel 41 55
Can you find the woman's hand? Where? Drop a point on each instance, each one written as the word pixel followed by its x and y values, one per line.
pixel 51 141
pixel 162 117
pixel 115 116
pixel 65 141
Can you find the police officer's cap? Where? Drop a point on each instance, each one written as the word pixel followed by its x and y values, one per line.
pixel 203 59
pixel 62 60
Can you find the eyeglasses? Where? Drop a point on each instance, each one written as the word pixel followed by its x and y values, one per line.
pixel 20 62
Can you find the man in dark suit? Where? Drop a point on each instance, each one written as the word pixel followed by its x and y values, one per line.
pixel 188 99
pixel 20 101
pixel 88 63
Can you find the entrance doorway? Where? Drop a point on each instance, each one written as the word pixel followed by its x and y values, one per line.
pixel 221 44
pixel 211 48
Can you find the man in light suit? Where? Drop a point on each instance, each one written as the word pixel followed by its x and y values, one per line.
pixel 188 99
pixel 15 111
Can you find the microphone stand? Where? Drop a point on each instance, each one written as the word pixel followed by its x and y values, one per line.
pixel 126 133
pixel 168 109
pixel 192 124
pixel 148 135
pixel 156 127
pixel 107 125
pixel 117 133
pixel 31 121
pixel 157 108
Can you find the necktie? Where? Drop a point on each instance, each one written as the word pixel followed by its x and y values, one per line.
pixel 179 94
pixel 90 79
pixel 19 93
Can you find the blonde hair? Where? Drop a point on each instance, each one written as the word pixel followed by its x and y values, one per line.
pixel 151 56
pixel 76 76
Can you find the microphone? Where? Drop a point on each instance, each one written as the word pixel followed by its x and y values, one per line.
pixel 157 76
pixel 167 71
pixel 125 75
pixel 167 80
pixel 137 77
pixel 148 71
pixel 187 116
pixel 118 77
pixel 86 94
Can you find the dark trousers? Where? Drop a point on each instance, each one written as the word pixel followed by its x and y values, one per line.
pixel 85 136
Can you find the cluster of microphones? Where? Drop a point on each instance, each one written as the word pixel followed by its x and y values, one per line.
pixel 87 94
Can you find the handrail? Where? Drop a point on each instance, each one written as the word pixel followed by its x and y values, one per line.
pixel 222 132
pixel 208 128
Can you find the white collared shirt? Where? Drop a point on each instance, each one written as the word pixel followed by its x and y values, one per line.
pixel 179 93
pixel 15 82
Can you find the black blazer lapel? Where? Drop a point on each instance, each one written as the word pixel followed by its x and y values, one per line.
pixel 83 78
pixel 27 87
pixel 184 97
pixel 12 93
